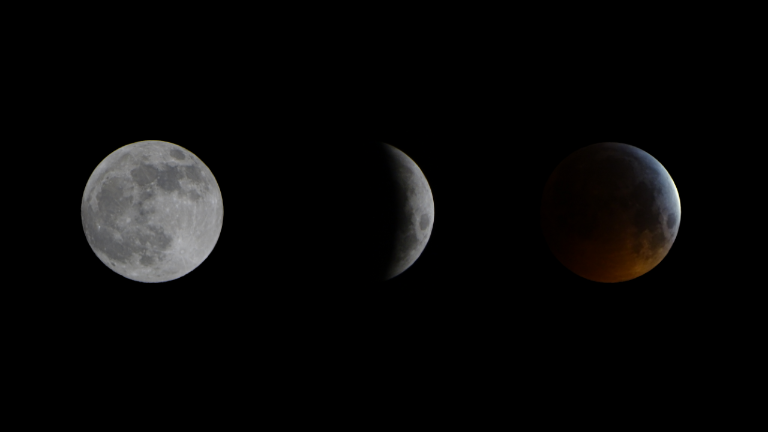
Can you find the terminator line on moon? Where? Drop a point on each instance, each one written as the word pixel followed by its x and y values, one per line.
pixel 416 211
pixel 152 211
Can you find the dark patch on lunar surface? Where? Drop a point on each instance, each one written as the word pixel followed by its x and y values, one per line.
pixel 647 215
pixel 146 194
pixel 194 196
pixel 103 239
pixel 168 178
pixel 157 238
pixel 146 260
pixel 143 212
pixel 671 220
pixel 177 154
pixel 424 221
pixel 142 208
pixel 144 174
pixel 112 203
pixel 193 173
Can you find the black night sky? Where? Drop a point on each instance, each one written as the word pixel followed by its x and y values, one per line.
pixel 286 293
pixel 294 218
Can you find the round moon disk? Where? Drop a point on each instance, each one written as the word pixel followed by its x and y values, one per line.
pixel 414 211
pixel 610 212
pixel 152 211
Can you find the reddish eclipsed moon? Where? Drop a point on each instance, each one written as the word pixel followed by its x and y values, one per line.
pixel 610 212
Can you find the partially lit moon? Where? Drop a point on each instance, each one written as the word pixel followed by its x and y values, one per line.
pixel 152 211
pixel 610 212
pixel 414 211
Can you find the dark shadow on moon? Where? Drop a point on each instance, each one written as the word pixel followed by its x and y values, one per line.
pixel 614 200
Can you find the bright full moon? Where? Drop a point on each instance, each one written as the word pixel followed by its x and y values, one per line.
pixel 152 211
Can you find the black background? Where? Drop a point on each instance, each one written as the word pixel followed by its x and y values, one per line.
pixel 286 264
pixel 487 110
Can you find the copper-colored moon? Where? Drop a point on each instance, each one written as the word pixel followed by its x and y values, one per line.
pixel 610 212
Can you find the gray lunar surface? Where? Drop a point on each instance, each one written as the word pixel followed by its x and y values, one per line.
pixel 152 211
pixel 416 212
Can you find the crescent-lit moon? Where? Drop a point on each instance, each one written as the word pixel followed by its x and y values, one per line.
pixel 415 211
pixel 152 211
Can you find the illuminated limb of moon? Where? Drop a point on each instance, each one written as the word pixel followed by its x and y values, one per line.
pixel 416 211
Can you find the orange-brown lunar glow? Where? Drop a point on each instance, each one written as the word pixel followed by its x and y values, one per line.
pixel 610 212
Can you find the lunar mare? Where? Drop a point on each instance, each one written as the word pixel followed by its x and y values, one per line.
pixel 610 212
pixel 152 211
pixel 415 211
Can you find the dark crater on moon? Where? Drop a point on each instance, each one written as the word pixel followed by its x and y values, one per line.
pixel 168 178
pixel 144 174
pixel 424 222
pixel 671 220
pixel 177 154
